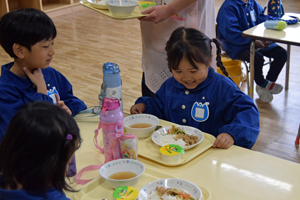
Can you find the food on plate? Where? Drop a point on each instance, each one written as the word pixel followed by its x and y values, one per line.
pixel 140 125
pixel 176 130
pixel 178 136
pixel 188 139
pixel 161 193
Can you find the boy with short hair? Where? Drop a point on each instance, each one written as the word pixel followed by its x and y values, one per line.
pixel 27 35
pixel 236 16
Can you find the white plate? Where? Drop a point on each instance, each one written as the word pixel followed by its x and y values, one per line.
pixel 188 130
pixel 184 185
pixel 99 4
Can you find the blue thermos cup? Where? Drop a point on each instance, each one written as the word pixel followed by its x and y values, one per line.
pixel 112 83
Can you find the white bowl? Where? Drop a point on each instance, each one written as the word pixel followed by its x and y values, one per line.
pixel 186 186
pixel 121 8
pixel 188 130
pixel 140 118
pixel 122 165
pixel 98 4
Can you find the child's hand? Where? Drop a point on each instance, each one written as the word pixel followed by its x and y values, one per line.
pixel 37 78
pixel 62 104
pixel 266 42
pixel 223 141
pixel 137 108
pixel 259 44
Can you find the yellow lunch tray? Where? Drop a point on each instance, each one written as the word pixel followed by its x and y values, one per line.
pixel 99 189
pixel 135 14
pixel 148 149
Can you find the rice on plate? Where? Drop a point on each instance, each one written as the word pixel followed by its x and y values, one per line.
pixel 170 139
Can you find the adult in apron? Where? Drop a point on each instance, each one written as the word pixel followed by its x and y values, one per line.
pixel 157 27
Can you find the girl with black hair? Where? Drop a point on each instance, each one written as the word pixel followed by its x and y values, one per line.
pixel 35 152
pixel 197 96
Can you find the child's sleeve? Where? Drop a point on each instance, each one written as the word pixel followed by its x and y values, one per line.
pixel 11 100
pixel 243 119
pixel 8 108
pixel 65 91
pixel 230 27
pixel 154 106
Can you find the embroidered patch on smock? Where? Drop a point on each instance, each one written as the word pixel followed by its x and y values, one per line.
pixel 51 93
pixel 200 112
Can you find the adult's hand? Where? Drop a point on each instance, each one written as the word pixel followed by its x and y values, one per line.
pixel 160 13
pixel 156 14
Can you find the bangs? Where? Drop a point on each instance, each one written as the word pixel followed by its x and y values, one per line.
pixel 182 50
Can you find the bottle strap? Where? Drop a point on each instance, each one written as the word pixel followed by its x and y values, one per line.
pixel 87 168
pixel 294 19
pixel 96 140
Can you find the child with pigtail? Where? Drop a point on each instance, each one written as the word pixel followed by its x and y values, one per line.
pixel 197 96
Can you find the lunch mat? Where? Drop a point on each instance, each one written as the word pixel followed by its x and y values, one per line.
pixel 99 189
pixel 135 14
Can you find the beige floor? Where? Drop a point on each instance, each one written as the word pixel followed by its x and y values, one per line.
pixel 87 39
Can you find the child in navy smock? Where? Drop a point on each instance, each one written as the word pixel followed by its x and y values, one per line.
pixel 40 142
pixel 197 96
pixel 236 16
pixel 27 35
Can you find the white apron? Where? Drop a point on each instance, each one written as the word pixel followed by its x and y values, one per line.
pixel 199 15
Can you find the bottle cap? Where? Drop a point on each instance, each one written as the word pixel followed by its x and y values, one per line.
pixel 110 103
pixel 110 68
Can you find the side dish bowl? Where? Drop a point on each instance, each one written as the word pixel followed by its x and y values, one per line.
pixel 186 186
pixel 138 119
pixel 157 135
pixel 122 165
pixel 121 8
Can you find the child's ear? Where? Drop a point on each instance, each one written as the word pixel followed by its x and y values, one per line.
pixel 18 50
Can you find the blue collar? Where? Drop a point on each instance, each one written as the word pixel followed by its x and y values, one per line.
pixel 241 2
pixel 20 82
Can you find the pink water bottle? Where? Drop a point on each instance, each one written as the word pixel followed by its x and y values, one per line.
pixel 111 122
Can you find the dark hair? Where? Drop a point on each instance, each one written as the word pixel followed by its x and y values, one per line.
pixel 193 45
pixel 34 151
pixel 25 27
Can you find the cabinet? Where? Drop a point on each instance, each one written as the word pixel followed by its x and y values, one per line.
pixel 51 7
